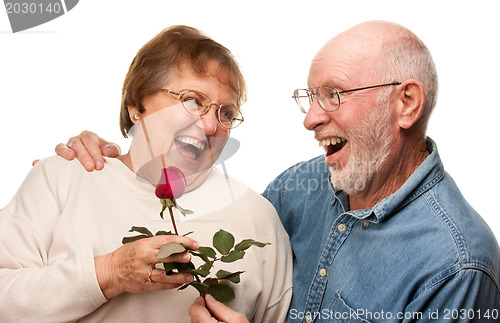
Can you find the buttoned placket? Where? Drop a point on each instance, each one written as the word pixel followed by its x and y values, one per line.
pixel 338 234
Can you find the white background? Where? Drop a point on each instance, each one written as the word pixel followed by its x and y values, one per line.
pixel 65 76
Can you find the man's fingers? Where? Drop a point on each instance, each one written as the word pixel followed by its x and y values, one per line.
pixel 199 313
pixel 90 142
pixel 222 312
pixel 199 302
pixel 81 153
pixel 109 149
pixel 65 152
pixel 89 149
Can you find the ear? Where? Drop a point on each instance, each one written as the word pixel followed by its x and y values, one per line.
pixel 133 111
pixel 411 103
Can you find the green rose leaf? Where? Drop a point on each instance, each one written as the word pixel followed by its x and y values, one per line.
pixel 170 266
pixel 180 267
pixel 142 230
pixel 207 251
pixel 232 277
pixel 247 243
pixel 210 281
pixel 169 249
pixel 164 233
pixel 183 211
pixel 134 238
pixel 202 288
pixel 186 267
pixel 202 256
pixel 223 241
pixel 221 292
pixel 233 256
pixel 204 270
pixel 162 209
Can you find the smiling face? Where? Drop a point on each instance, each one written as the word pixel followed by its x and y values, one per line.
pixel 370 144
pixel 358 137
pixel 191 143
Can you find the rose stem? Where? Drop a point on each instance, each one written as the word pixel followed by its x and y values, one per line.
pixel 164 166
pixel 173 221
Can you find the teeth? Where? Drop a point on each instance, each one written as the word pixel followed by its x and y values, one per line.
pixel 191 141
pixel 331 141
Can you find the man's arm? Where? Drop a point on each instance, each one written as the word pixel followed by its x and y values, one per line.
pixel 469 295
pixel 89 149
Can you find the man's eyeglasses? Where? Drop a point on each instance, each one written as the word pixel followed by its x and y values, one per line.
pixel 328 97
pixel 198 104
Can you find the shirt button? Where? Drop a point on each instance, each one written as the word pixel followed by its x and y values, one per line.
pixel 366 223
pixel 341 227
pixel 309 319
pixel 322 272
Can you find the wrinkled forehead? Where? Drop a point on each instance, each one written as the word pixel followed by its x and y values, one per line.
pixel 338 64
pixel 211 69
pixel 212 81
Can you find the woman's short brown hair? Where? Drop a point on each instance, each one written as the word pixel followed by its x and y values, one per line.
pixel 162 57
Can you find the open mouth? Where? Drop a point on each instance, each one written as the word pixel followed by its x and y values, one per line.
pixel 332 145
pixel 189 147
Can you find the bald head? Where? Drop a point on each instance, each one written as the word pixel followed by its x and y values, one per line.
pixel 381 52
pixel 370 36
pixel 368 40
pixel 378 30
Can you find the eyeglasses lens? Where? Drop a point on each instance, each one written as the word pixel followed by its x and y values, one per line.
pixel 196 103
pixel 304 99
pixel 229 116
pixel 329 98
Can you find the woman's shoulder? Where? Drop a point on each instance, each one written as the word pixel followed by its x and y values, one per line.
pixel 52 166
pixel 46 184
pixel 56 161
pixel 58 164
pixel 61 172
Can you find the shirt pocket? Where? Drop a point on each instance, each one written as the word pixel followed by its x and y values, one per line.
pixel 343 313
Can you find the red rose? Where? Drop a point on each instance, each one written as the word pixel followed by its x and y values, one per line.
pixel 172 183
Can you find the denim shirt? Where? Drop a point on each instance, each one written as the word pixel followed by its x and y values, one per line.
pixel 422 253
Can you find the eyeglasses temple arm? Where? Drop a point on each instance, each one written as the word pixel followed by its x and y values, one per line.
pixel 370 87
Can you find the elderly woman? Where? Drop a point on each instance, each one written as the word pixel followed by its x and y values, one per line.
pixel 61 252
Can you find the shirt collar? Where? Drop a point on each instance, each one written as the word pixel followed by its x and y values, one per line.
pixel 428 174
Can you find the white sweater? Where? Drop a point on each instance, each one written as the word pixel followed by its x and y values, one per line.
pixel 62 217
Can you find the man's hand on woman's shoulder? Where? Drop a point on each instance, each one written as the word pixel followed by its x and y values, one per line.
pixel 89 149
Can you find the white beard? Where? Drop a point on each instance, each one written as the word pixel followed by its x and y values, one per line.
pixel 371 145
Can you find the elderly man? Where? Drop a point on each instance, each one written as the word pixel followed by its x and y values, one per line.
pixel 382 232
